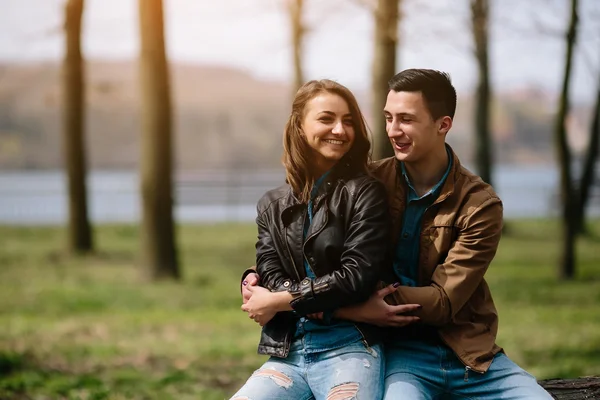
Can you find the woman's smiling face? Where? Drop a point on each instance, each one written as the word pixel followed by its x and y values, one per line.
pixel 329 130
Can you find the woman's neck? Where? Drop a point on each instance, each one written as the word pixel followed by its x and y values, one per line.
pixel 319 169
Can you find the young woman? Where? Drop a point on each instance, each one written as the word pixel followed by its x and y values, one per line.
pixel 322 241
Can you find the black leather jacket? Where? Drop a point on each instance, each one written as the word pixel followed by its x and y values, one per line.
pixel 347 245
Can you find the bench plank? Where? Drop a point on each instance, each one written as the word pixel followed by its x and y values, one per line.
pixel 573 389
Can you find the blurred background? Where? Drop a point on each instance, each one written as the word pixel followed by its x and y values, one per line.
pixel 137 136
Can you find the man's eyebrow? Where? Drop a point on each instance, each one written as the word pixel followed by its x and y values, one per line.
pixel 400 114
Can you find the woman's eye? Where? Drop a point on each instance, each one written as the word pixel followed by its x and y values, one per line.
pixel 348 122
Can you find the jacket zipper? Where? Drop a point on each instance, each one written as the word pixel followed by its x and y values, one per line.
pixel 320 286
pixel 317 232
pixel 306 241
pixel 364 339
pixel 467 367
pixel 286 341
pixel 287 246
pixel 286 344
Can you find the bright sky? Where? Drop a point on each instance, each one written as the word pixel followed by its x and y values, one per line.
pixel 253 35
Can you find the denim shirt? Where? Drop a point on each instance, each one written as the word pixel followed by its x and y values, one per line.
pixel 406 259
pixel 327 334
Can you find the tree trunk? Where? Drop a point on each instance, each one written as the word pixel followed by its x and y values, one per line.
pixel 80 233
pixel 589 167
pixel 483 156
pixel 567 260
pixel 383 69
pixel 295 8
pixel 158 253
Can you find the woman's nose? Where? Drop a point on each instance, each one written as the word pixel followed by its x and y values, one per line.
pixel 339 128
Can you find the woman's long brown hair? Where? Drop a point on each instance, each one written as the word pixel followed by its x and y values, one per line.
pixel 297 154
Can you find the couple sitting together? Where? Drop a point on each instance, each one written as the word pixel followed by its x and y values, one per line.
pixel 369 280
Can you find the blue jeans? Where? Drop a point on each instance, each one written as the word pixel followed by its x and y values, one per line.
pixel 418 369
pixel 354 371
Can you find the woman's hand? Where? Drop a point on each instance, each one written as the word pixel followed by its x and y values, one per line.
pixel 250 280
pixel 263 304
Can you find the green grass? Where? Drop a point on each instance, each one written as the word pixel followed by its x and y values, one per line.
pixel 90 328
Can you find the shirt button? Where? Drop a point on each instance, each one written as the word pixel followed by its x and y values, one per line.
pixel 405 235
pixel 286 283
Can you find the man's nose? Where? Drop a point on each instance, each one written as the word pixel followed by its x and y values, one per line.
pixel 393 129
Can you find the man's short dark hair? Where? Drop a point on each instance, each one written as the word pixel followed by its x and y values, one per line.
pixel 436 86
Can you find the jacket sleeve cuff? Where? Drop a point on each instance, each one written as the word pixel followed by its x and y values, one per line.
pixel 304 301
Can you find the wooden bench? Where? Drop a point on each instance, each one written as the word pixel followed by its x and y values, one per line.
pixel 573 389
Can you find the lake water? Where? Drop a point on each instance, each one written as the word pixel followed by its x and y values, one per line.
pixel 35 197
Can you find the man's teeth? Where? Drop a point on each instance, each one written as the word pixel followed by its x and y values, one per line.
pixel 334 141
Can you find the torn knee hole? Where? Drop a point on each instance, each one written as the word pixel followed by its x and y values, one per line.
pixel 345 391
pixel 279 378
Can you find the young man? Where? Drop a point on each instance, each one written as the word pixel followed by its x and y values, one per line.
pixel 447 226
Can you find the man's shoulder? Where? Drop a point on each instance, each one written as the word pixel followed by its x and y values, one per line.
pixel 383 169
pixel 383 164
pixel 473 189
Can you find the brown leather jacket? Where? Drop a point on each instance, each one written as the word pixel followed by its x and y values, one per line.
pixel 459 237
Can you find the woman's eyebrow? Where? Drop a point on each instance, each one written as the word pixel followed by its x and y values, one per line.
pixel 333 114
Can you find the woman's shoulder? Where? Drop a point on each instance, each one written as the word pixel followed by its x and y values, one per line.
pixel 273 196
pixel 363 180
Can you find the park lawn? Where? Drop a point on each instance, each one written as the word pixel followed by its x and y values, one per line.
pixel 89 328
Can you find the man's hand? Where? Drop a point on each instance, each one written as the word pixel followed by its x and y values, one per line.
pixel 376 311
pixel 262 305
pixel 250 280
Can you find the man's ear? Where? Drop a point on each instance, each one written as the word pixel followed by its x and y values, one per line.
pixel 445 125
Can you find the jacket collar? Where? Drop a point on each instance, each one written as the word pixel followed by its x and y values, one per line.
pixel 453 176
pixel 447 188
pixel 345 167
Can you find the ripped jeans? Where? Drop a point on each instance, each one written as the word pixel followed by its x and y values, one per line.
pixel 354 371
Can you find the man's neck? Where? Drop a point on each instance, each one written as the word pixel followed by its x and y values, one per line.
pixel 426 173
